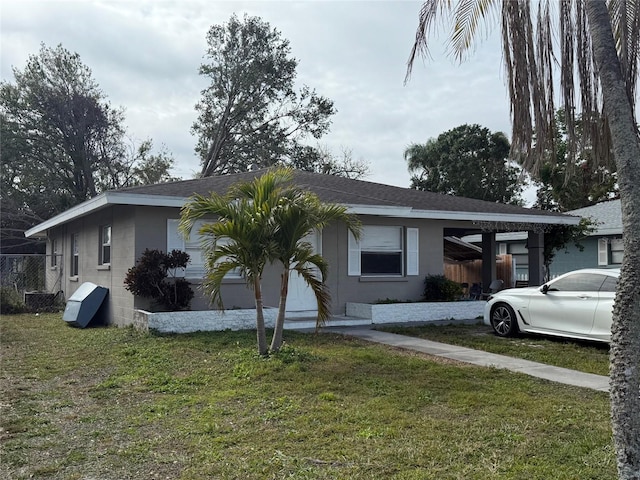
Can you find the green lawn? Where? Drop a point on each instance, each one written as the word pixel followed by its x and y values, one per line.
pixel 590 357
pixel 108 403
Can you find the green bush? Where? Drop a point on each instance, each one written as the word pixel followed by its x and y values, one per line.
pixel 438 288
pixel 387 301
pixel 11 302
pixel 150 279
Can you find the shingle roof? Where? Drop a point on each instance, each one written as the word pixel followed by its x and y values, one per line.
pixel 367 198
pixel 607 215
pixel 334 189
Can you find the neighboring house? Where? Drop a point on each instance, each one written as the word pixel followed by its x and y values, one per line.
pixel 601 249
pixel 403 240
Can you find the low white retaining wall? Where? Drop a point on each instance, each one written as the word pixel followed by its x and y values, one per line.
pixel 416 312
pixel 203 320
pixel 356 314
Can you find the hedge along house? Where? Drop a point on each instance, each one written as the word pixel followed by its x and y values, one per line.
pixel 403 240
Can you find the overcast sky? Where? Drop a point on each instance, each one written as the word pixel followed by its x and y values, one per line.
pixel 145 57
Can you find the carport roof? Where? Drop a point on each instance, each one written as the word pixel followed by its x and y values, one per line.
pixel 361 197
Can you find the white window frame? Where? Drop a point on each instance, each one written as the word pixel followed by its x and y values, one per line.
pixel 413 252
pixel 409 250
pixel 603 251
pixel 617 251
pixel 105 245
pixel 74 269
pixel 54 253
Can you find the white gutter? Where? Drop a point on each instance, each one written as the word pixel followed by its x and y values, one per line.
pixel 607 231
pixel 408 212
pixel 101 201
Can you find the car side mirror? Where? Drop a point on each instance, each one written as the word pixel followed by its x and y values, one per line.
pixel 544 288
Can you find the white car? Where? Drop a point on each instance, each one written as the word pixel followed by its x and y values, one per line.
pixel 578 304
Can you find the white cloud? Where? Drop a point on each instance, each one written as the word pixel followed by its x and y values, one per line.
pixel 145 56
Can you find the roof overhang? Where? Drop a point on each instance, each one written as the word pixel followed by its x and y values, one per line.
pixel 102 201
pixel 122 198
pixel 607 231
pixel 458 250
pixel 478 217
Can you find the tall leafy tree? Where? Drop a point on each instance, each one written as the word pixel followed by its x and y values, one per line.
pixel 61 142
pixel 468 161
pixel 322 160
pixel 598 53
pixel 591 181
pixel 250 115
pixel 140 165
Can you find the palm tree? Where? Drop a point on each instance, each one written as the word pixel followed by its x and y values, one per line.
pixel 240 238
pixel 599 43
pixel 300 213
pixel 260 222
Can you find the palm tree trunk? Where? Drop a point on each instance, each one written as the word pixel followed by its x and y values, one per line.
pixel 625 331
pixel 260 329
pixel 276 341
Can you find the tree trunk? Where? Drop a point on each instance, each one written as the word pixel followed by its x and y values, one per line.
pixel 276 341
pixel 625 331
pixel 260 330
pixel 212 160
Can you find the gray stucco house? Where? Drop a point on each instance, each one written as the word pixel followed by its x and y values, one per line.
pixel 601 249
pixel 103 237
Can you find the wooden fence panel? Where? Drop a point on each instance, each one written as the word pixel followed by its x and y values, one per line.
pixel 471 272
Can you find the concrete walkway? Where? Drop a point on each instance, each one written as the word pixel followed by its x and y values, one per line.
pixel 477 357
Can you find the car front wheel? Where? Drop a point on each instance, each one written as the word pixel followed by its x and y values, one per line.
pixel 503 320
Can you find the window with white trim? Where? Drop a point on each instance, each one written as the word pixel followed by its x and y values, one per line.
pixel 603 251
pixel 75 255
pixel 610 251
pixel 54 252
pixel 197 262
pixel 617 251
pixel 384 251
pixel 105 245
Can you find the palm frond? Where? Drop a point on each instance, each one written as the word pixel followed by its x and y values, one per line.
pixel 532 59
pixel 467 17
pixel 320 290
pixel 213 278
pixel 199 206
pixel 429 12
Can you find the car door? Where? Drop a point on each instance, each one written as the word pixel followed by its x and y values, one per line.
pixel 604 310
pixel 568 305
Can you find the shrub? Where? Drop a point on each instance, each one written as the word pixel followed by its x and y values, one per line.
pixel 10 301
pixel 438 288
pixel 387 301
pixel 150 279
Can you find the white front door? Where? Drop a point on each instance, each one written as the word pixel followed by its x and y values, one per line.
pixel 301 296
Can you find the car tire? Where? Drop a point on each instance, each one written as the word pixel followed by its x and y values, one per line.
pixel 503 320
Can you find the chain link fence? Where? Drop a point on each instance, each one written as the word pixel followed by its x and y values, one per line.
pixel 30 283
